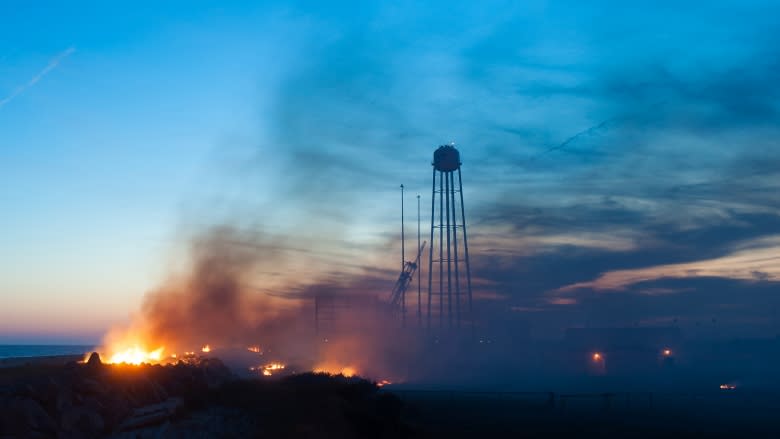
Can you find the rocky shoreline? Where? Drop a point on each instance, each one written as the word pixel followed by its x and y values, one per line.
pixel 51 360
pixel 198 398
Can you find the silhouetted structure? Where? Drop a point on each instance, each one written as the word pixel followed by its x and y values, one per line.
pixel 445 261
pixel 398 296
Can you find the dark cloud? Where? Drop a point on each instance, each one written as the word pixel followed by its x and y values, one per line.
pixel 591 142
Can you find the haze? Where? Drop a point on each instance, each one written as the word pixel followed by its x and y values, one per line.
pixel 620 162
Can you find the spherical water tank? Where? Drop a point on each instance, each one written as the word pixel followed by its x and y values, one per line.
pixel 446 158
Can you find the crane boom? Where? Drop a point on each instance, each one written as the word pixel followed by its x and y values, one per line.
pixel 405 278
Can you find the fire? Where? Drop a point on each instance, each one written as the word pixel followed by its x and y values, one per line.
pixel 136 355
pixel 134 348
pixel 383 383
pixel 255 349
pixel 347 371
pixel 269 369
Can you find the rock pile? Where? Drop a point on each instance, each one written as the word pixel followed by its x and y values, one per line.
pixel 96 400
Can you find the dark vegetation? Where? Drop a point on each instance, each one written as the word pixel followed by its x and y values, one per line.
pixel 200 398
pixel 203 399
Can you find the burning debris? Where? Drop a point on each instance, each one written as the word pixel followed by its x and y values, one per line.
pixel 215 300
pixel 269 369
pixel 346 371
pixel 136 355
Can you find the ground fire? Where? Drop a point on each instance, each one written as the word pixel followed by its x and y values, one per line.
pixel 214 309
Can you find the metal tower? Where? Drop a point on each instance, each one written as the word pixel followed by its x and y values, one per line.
pixel 444 260
pixel 398 296
pixel 408 269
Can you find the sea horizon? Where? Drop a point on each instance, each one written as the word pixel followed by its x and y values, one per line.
pixel 42 350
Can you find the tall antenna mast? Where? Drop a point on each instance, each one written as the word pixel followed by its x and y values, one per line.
pixel 403 259
pixel 403 256
pixel 419 271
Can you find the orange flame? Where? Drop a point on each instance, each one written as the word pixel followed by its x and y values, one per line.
pixel 206 349
pixel 269 369
pixel 136 355
pixel 330 369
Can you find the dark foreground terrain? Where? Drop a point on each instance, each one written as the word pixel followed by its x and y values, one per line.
pixel 202 398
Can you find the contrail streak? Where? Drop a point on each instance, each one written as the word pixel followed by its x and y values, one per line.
pixel 49 67
pixel 588 132
pixel 592 131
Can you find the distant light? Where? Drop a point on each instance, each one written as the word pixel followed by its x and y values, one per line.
pixel 667 352
pixel 597 356
pixel 728 386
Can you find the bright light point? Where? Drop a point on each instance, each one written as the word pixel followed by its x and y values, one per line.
pixel 728 386
pixel 269 369
pixel 346 371
pixel 206 349
pixel 136 356
pixel 597 356
pixel 667 352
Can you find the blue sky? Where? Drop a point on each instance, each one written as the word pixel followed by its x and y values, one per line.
pixel 620 161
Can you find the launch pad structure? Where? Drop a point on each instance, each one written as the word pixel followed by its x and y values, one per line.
pixel 449 300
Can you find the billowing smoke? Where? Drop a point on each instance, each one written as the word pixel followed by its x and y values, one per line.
pixel 217 302
pixel 214 301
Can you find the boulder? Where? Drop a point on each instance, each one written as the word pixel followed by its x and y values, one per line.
pixel 83 420
pixel 94 360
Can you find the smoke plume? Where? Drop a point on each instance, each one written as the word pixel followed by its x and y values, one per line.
pixel 217 302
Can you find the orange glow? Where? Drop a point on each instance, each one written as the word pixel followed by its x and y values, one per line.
pixel 136 355
pixel 135 348
pixel 255 349
pixel 667 352
pixel 269 369
pixel 383 383
pixel 330 369
pixel 597 356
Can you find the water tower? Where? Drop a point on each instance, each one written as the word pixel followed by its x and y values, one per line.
pixel 449 273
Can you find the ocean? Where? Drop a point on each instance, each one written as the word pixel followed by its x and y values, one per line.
pixel 17 351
